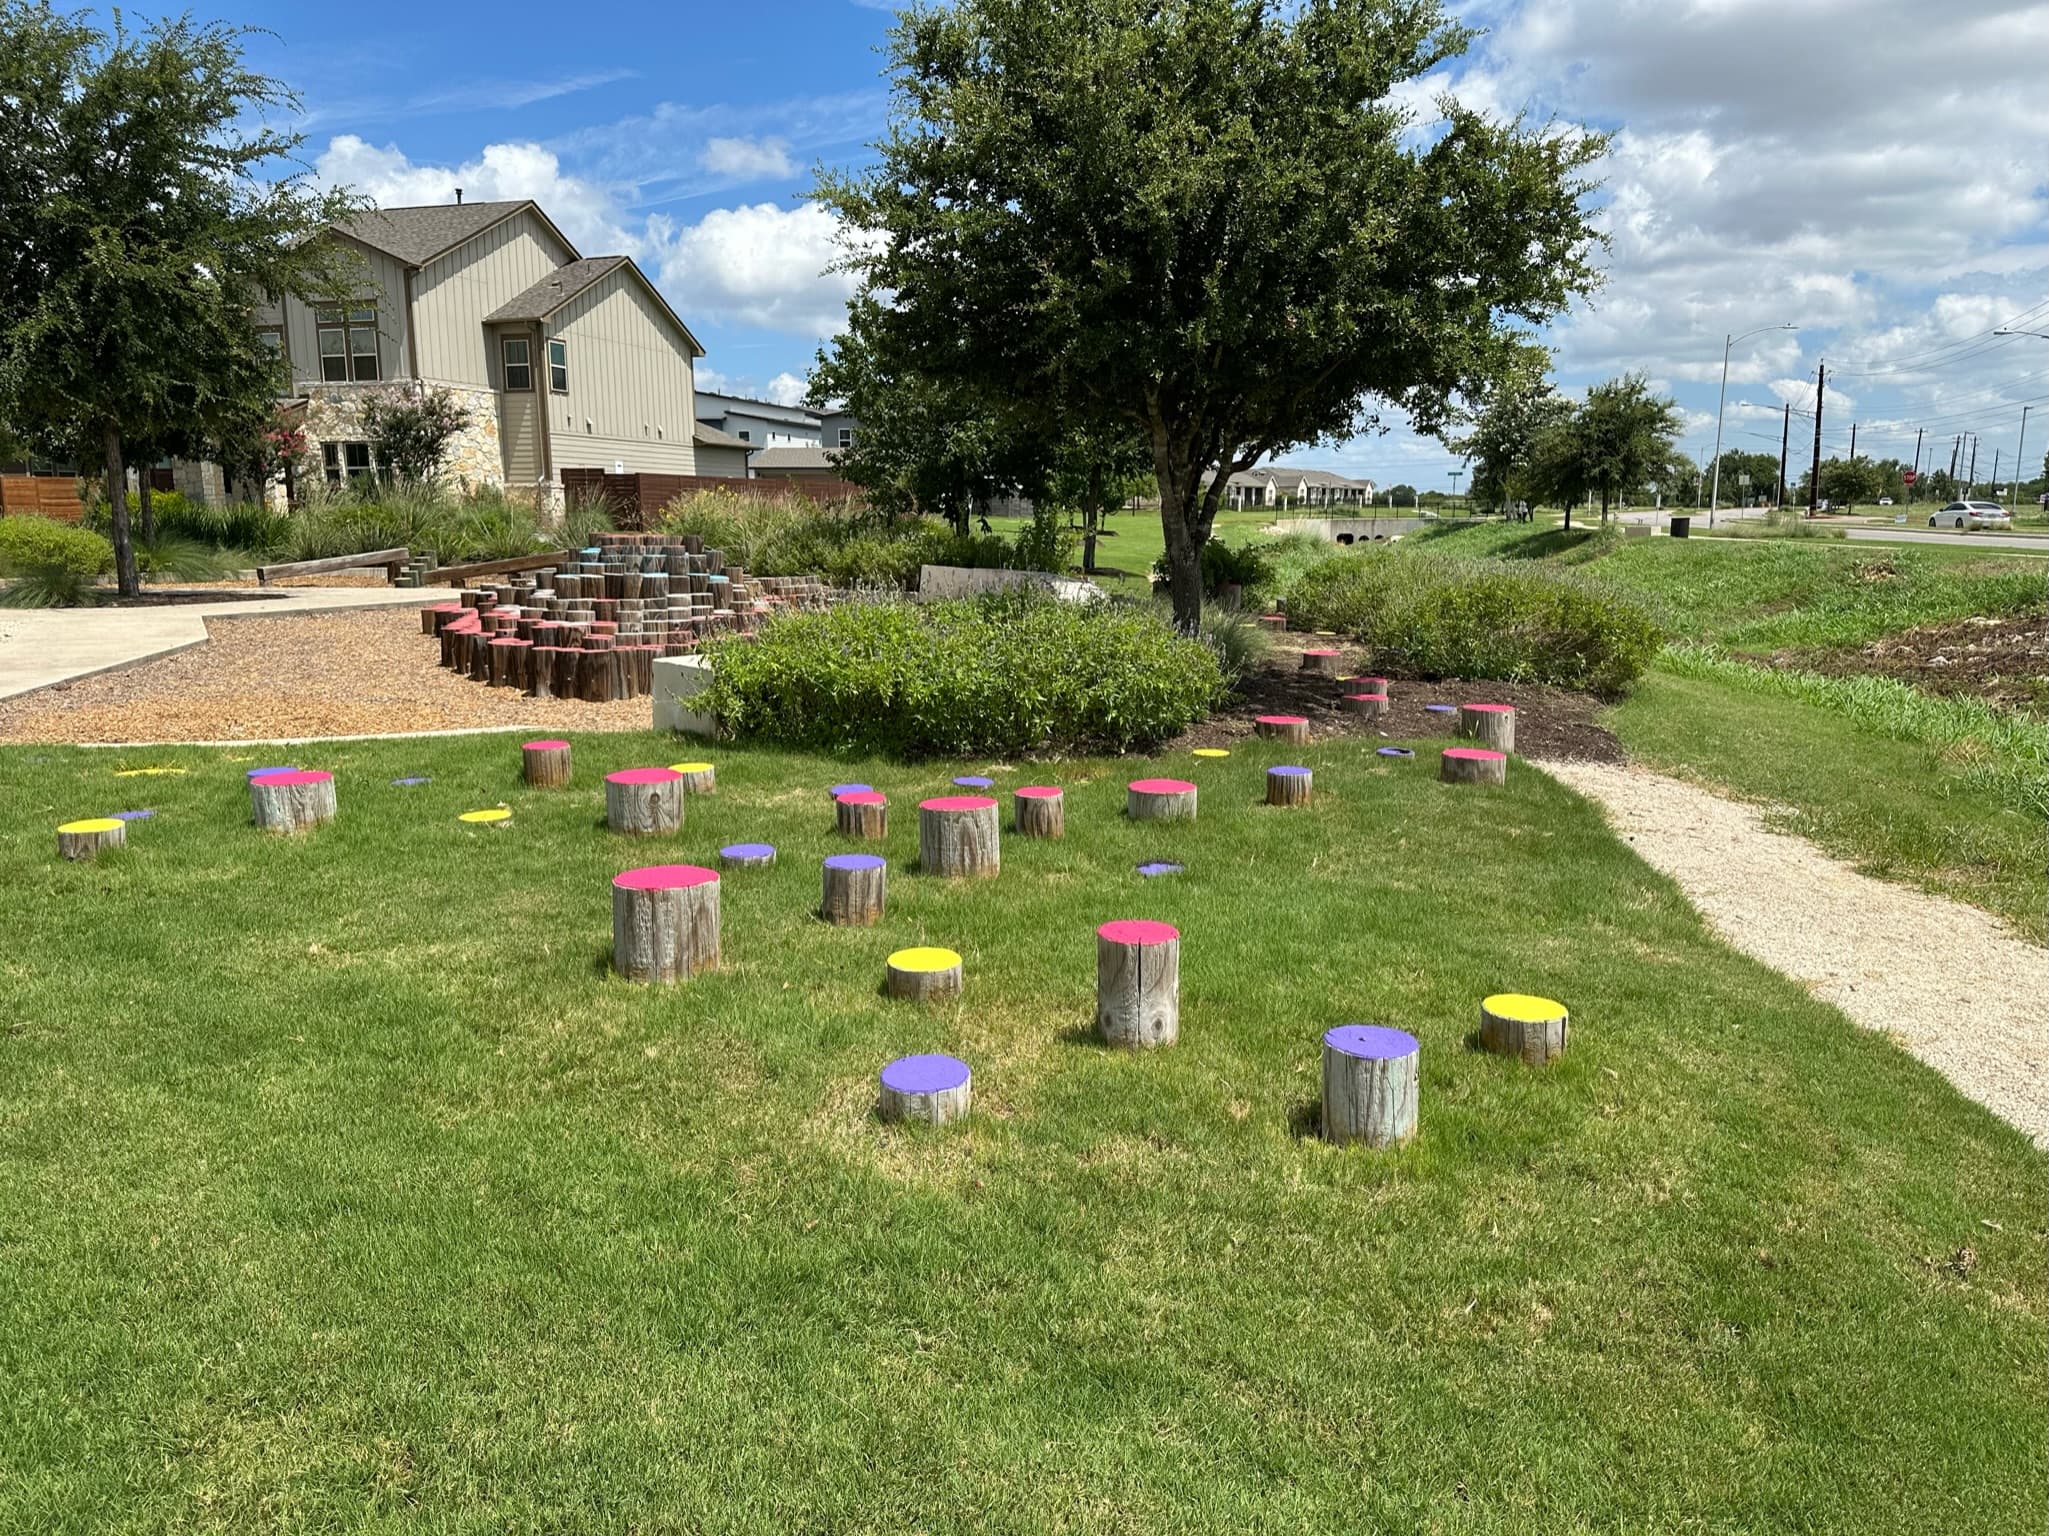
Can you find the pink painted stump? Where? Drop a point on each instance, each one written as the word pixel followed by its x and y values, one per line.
pixel 862 813
pixel 1039 810
pixel 1159 800
pixel 1491 725
pixel 644 802
pixel 1473 765
pixel 545 764
pixel 957 836
pixel 1138 983
pixel 665 922
pixel 1293 729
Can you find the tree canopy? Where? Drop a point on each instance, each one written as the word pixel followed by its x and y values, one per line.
pixel 1210 222
pixel 1620 438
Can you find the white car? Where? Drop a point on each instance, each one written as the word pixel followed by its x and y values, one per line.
pixel 1970 514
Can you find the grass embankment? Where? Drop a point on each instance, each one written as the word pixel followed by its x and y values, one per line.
pixel 347 1189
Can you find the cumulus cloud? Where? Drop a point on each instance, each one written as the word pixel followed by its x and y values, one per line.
pixel 759 265
pixel 747 159
pixel 786 389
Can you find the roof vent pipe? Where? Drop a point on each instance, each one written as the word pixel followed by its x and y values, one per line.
pixel 458 197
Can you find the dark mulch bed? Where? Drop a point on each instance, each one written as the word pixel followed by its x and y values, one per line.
pixel 2004 661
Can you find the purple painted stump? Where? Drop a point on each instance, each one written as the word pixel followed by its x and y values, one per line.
pixel 1371 1080
pixel 853 890
pixel 936 1089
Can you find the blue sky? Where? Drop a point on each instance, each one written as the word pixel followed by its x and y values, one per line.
pixel 1841 164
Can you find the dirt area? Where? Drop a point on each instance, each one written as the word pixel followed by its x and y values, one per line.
pixel 1550 722
pixel 365 672
pixel 2004 661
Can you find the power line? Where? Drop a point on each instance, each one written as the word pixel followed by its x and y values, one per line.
pixel 1910 361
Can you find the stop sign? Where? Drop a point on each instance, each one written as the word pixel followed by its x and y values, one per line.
pixel 1908 476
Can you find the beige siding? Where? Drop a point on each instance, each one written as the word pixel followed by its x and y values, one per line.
pixel 453 292
pixel 731 462
pixel 381 280
pixel 519 428
pixel 631 397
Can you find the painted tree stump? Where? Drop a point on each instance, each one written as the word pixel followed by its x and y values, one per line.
pixel 1371 685
pixel 1159 800
pixel 1039 810
pixel 698 778
pixel 854 890
pixel 1371 1080
pixel 1367 706
pixel 957 836
pixel 1287 786
pixel 1473 765
pixel 935 1089
pixel 545 764
pixel 1138 983
pixel 89 838
pixel 292 801
pixel 490 816
pixel 973 781
pixel 862 813
pixel 1323 660
pixel 747 856
pixel 1273 621
pixel 1516 1024
pixel 644 802
pixel 847 789
pixel 1492 725
pixel 1293 729
pixel 924 974
pixel 665 922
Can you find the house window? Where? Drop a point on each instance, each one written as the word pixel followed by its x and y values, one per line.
pixel 558 367
pixel 846 437
pixel 745 437
pixel 519 363
pixel 272 339
pixel 348 344
pixel 346 461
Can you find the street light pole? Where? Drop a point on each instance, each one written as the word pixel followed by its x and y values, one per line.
pixel 2014 495
pixel 1715 500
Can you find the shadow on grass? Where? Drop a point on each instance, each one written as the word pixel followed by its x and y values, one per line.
pixel 1305 1119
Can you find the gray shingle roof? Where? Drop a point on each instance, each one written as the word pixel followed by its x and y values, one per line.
pixel 417 235
pixel 711 437
pixel 555 290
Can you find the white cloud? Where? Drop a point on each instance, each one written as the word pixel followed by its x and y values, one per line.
pixel 759 265
pixel 747 159
pixel 787 389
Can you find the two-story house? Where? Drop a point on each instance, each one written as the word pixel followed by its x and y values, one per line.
pixel 564 361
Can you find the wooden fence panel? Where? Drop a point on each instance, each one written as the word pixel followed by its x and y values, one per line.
pixel 45 495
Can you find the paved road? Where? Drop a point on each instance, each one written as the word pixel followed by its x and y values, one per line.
pixel 2034 543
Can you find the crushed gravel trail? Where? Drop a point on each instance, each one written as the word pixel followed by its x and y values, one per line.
pixel 1952 985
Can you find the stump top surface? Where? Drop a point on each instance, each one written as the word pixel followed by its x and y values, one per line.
pixel 1283 719
pixel 1490 709
pixel 412 779
pixel 973 781
pixel 1210 752
pixel 748 850
pixel 488 814
pixel 1154 867
pixel 1138 930
pixel 1523 1008
pixel 1393 752
pixel 92 824
pixel 924 1074
pixel 292 776
pixel 1442 709
pixel 854 861
pixel 130 816
pixel 547 744
pixel 849 789
pixel 957 803
pixel 1290 770
pixel 1038 792
pixel 1161 786
pixel 1476 754
pixel 1371 1042
pixel 690 768
pixel 257 773
pixel 511 640
pixel 1320 650
pixel 862 797
pixel 643 776
pixel 924 957
pixel 665 877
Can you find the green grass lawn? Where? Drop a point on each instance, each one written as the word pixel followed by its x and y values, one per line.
pixel 345 1189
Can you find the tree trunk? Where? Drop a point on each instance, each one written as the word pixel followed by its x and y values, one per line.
pixel 125 579
pixel 1184 526
pixel 149 511
pixel 1091 519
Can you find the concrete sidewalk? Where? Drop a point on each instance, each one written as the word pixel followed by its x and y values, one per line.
pixel 40 647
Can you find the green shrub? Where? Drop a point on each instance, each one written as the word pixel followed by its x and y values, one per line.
pixel 846 547
pixel 1432 617
pixel 1222 565
pixel 176 558
pixel 1005 673
pixel 49 564
pixel 1239 643
pixel 1045 543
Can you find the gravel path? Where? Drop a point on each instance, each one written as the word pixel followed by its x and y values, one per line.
pixel 1949 983
pixel 334 674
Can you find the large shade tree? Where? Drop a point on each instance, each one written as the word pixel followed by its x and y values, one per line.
pixel 1213 221
pixel 145 211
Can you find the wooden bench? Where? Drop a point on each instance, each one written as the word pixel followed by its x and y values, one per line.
pixel 393 561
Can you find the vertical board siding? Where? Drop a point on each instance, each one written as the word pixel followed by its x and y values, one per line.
pixel 453 292
pixel 631 394
pixel 382 280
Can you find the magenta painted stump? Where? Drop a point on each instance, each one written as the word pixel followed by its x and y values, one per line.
pixel 644 802
pixel 544 764
pixel 1322 660
pixel 1293 729
pixel 1039 810
pixel 862 813
pixel 1367 706
pixel 1138 983
pixel 1473 765
pixel 293 800
pixel 1491 725
pixel 957 836
pixel 665 922
pixel 936 1089
pixel 1160 800
pixel 1273 621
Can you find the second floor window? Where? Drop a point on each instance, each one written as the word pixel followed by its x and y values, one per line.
pixel 558 367
pixel 348 344
pixel 846 437
pixel 519 363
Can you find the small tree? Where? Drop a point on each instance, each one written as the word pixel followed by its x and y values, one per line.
pixel 1615 441
pixel 411 430
pixel 1849 482
pixel 1503 440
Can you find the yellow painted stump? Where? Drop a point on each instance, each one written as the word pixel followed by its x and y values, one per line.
pixel 924 974
pixel 89 838
pixel 698 778
pixel 1516 1024
pixel 491 816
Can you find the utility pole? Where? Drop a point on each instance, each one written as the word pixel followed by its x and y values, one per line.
pixel 1956 447
pixel 1995 472
pixel 1917 463
pixel 1853 442
pixel 1785 438
pixel 1971 480
pixel 1814 480
pixel 2020 448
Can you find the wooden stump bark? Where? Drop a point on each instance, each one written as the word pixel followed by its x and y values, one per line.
pixel 935 1089
pixel 292 801
pixel 89 838
pixel 1138 983
pixel 1473 765
pixel 1159 800
pixel 1293 729
pixel 1323 660
pixel 698 778
pixel 1371 1081
pixel 862 813
pixel 1039 810
pixel 1516 1024
pixel 665 922
pixel 957 836
pixel 854 890
pixel 545 764
pixel 1287 786
pixel 1491 725
pixel 924 974
pixel 1372 685
pixel 747 855
pixel 1367 706
pixel 644 802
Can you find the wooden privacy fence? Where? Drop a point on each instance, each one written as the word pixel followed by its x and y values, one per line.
pixel 46 495
pixel 640 498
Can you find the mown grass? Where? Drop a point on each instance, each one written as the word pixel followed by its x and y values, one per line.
pixel 346 1189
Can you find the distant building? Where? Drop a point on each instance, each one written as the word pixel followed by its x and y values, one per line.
pixel 1278 485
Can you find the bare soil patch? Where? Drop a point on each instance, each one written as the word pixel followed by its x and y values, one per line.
pixel 2002 660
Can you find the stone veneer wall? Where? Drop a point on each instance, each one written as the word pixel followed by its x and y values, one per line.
pixel 334 413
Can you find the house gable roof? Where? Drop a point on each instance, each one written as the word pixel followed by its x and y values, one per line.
pixel 416 236
pixel 796 456
pixel 554 290
pixel 712 437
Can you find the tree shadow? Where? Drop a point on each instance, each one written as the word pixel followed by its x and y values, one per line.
pixel 1305 1120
